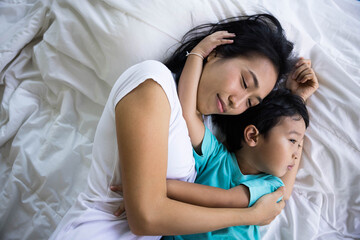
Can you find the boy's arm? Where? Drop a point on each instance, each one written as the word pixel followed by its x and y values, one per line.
pixel 187 90
pixel 289 178
pixel 189 81
pixel 207 196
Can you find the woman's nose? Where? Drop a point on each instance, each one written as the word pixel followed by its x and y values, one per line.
pixel 235 101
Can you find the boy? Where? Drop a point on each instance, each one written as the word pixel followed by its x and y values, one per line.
pixel 265 144
pixel 270 144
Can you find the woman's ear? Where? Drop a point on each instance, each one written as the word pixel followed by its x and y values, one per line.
pixel 251 135
pixel 211 56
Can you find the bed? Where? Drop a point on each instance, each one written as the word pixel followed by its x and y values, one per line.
pixel 59 60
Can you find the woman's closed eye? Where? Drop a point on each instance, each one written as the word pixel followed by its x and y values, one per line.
pixel 249 103
pixel 253 101
pixel 244 83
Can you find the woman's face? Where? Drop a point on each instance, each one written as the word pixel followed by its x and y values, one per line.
pixel 230 86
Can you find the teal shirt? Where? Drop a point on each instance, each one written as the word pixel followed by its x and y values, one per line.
pixel 218 167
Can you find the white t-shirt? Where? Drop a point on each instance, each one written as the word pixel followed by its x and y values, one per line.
pixel 91 217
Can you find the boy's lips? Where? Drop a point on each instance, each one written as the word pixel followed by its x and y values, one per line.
pixel 220 104
pixel 290 166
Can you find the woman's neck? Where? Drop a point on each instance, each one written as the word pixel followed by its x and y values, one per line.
pixel 245 162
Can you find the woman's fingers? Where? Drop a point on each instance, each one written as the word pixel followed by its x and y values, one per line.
pixel 120 209
pixel 116 188
pixel 303 61
pixel 305 75
pixel 277 196
pixel 299 69
pixel 303 81
pixel 279 193
pixel 269 206
pixel 281 205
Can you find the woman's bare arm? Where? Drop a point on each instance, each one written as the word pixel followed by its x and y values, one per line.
pixel 142 119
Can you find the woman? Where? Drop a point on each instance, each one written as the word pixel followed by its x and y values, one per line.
pixel 151 141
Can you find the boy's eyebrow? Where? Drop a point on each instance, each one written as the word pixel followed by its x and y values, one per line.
pixel 294 132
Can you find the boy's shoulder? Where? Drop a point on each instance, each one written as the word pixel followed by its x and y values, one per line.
pixel 261 184
pixel 264 180
pixel 213 154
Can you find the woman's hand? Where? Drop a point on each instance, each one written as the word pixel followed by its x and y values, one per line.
pixel 209 43
pixel 302 80
pixel 121 208
pixel 268 207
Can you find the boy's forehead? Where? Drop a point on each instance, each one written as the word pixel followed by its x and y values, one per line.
pixel 294 124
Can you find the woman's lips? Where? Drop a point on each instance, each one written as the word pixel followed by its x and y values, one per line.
pixel 220 104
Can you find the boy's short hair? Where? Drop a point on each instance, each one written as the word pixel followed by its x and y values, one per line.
pixel 264 116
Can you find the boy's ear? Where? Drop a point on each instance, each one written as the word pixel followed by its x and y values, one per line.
pixel 251 136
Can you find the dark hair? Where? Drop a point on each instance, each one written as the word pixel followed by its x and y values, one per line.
pixel 261 34
pixel 264 116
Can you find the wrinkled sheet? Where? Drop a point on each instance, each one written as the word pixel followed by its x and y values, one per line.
pixel 59 59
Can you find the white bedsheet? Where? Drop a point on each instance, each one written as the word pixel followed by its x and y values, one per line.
pixel 59 59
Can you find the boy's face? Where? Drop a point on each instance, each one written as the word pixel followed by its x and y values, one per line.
pixel 276 153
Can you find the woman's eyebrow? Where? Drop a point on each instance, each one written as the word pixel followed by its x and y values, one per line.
pixel 255 80
pixel 256 83
pixel 259 99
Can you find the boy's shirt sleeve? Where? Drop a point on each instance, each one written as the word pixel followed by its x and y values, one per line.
pixel 262 185
pixel 210 147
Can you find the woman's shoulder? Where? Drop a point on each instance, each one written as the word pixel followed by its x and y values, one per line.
pixel 158 72
pixel 155 70
pixel 138 73
pixel 151 66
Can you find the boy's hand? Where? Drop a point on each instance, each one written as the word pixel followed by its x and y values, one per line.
pixel 210 42
pixel 302 80
pixel 121 208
